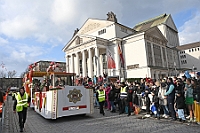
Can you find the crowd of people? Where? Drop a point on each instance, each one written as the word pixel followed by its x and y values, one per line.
pixel 168 98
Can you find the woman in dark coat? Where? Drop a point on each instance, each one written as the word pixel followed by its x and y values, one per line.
pixel 111 98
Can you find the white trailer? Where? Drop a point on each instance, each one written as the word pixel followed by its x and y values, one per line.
pixel 59 101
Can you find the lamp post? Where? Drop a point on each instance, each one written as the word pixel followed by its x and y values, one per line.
pixel 175 68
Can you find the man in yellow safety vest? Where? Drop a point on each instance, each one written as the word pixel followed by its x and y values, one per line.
pixel 101 96
pixel 20 106
pixel 123 97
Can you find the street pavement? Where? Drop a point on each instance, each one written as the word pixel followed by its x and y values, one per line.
pixel 94 123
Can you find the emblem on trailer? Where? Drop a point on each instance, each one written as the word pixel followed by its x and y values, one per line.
pixel 74 95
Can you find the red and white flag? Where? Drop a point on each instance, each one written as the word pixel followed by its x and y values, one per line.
pixel 121 56
pixel 110 61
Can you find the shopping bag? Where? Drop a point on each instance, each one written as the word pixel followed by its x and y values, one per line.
pixel 154 109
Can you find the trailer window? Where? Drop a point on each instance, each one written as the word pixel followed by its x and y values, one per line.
pixel 63 80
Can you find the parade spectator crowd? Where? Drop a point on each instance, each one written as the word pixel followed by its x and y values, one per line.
pixel 177 99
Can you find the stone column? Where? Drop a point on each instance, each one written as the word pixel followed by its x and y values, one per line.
pixel 97 61
pixel 94 65
pixel 101 64
pixel 90 69
pixel 72 64
pixel 152 51
pixel 163 63
pixel 83 64
pixel 77 64
pixel 117 60
pixel 67 63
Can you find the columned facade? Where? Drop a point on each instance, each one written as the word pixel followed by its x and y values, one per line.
pixel 87 62
pixel 144 48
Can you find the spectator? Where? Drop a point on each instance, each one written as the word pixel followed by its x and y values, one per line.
pixel 180 105
pixel 155 102
pixel 162 99
pixel 111 97
pixel 170 95
pixel 189 100
pixel 147 103
pixel 108 88
pixel 100 80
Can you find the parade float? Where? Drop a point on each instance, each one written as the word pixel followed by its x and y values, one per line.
pixel 53 93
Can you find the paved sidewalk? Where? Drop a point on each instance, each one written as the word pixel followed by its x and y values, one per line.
pixel 95 123
pixel 10 124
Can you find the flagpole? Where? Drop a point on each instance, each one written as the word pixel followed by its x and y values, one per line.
pixel 122 62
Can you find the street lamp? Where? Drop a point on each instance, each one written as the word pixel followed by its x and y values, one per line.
pixel 175 68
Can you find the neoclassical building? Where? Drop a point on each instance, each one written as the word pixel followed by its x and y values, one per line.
pixel 149 48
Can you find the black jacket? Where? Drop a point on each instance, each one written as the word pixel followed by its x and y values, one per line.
pixel 135 98
pixel 180 102
pixel 196 93
pixel 111 95
pixel 155 100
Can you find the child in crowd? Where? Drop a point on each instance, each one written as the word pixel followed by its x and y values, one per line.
pixel 180 105
pixel 155 102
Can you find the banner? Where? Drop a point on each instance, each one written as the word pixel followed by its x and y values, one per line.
pixel 121 56
pixel 110 60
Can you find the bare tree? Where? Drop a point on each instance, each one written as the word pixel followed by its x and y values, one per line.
pixel 2 74
pixel 11 74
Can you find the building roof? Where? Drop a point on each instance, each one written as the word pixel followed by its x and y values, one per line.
pixel 151 22
pixel 189 46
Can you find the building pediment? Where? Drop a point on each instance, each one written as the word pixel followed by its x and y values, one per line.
pixel 79 40
pixel 92 25
pixel 156 36
pixel 84 33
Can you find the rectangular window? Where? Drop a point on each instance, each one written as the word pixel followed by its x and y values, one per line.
pixel 149 53
pixel 101 31
pixel 157 55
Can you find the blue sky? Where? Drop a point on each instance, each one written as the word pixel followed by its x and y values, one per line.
pixel 38 30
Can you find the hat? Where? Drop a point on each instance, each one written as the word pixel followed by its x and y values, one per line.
pixel 118 81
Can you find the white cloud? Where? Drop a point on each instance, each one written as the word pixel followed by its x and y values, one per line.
pixel 19 27
pixel 190 32
pixel 35 29
pixel 3 41
pixel 63 12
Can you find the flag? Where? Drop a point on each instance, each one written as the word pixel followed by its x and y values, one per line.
pixel 121 56
pixel 110 61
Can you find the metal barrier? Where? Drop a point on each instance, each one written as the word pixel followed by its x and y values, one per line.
pixel 2 119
